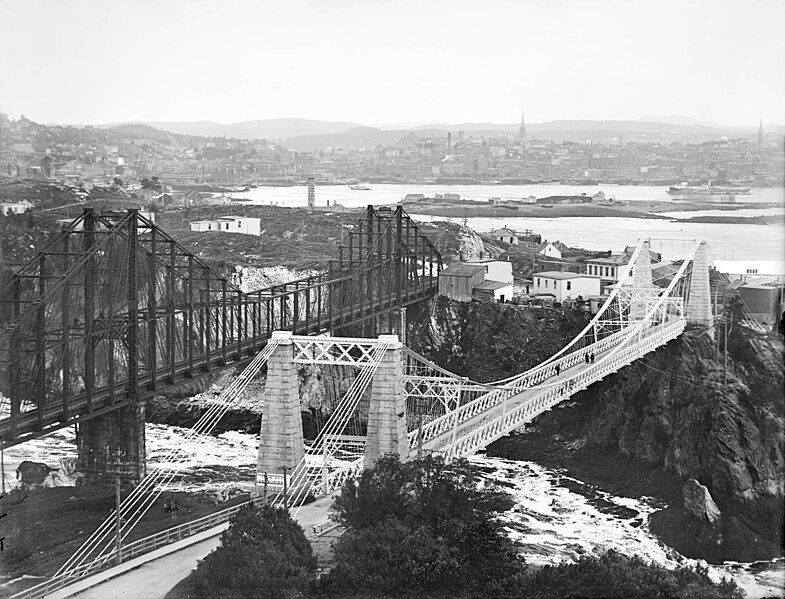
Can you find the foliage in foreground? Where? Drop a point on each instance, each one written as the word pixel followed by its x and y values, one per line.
pixel 263 553
pixel 614 575
pixel 422 527
pixel 429 529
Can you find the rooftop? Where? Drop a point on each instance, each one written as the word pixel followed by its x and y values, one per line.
pixel 492 285
pixel 463 270
pixel 555 274
pixel 614 260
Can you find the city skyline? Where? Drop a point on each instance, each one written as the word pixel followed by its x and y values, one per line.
pixel 393 62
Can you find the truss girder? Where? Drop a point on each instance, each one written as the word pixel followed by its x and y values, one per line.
pixel 114 308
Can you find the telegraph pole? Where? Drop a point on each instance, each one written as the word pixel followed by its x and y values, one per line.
pixel 285 489
pixel 117 540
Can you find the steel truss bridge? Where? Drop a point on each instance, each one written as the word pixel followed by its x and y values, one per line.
pixel 113 309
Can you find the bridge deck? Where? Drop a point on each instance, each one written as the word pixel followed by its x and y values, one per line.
pixel 480 429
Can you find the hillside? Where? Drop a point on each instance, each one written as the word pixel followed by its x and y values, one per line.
pixel 256 129
pixel 306 134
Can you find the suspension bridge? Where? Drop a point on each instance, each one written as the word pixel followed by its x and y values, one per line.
pixel 397 401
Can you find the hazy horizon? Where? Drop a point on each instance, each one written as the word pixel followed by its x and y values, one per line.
pixel 663 119
pixel 395 62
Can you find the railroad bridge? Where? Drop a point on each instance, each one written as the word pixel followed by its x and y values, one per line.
pixel 113 310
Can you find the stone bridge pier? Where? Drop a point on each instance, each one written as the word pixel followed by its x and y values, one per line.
pixel 112 446
pixel 281 438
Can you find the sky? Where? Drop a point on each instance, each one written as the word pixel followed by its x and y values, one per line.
pixel 392 61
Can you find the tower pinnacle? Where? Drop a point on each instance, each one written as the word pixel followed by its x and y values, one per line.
pixel 522 130
pixel 761 137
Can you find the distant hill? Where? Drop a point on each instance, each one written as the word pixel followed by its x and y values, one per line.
pixel 305 134
pixel 357 137
pixel 675 119
pixel 259 129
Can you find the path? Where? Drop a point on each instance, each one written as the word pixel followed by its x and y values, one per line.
pixel 154 579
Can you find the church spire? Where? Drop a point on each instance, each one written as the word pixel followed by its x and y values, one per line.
pixel 761 138
pixel 522 129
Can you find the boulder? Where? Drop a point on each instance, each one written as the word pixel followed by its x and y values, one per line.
pixel 33 474
pixel 699 503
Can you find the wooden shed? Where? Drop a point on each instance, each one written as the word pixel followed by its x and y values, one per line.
pixel 458 281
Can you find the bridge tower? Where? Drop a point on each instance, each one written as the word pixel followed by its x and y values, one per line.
pixel 387 415
pixel 281 435
pixel 641 281
pixel 698 309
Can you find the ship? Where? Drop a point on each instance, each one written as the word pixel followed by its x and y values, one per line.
pixel 360 187
pixel 705 193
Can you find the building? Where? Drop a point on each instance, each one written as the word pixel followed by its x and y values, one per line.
pixel 230 224
pixel 607 269
pixel 15 207
pixel 565 285
pixel 493 291
pixel 763 302
pixel 495 270
pixel 458 281
pixel 505 235
pixel 552 250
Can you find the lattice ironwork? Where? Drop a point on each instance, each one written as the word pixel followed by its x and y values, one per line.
pixel 114 308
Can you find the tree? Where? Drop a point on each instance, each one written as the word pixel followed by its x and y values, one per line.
pixel 151 184
pixel 614 575
pixel 263 553
pixel 423 527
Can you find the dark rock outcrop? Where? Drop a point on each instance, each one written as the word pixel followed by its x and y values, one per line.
pixel 698 502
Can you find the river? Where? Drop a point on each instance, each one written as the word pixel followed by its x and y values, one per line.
pixel 390 194
pixel 554 518
pixel 728 242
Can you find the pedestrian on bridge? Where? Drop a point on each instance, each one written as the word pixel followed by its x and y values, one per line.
pixel 591 358
pixel 558 368
pixel 586 357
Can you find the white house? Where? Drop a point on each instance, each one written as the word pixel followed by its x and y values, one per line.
pixel 505 235
pixel 14 207
pixel 248 225
pixel 490 291
pixel 565 285
pixel 607 269
pixel 550 251
pixel 495 270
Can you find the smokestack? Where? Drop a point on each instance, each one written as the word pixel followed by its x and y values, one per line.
pixel 311 192
pixel 449 141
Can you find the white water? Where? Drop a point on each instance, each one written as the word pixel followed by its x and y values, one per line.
pixel 551 522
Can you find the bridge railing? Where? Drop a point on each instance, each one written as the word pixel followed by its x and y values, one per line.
pixel 131 550
pixel 520 413
pixel 533 377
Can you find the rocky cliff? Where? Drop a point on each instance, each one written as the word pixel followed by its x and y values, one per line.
pixel 675 415
pixel 487 342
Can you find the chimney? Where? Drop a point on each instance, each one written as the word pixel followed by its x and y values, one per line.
pixel 311 192
pixel 449 141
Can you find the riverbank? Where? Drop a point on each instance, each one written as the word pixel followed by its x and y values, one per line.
pixel 641 210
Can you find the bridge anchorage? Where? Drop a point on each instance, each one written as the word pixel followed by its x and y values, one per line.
pixel 114 309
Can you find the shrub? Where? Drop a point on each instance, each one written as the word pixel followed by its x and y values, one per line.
pixel 614 575
pixel 263 553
